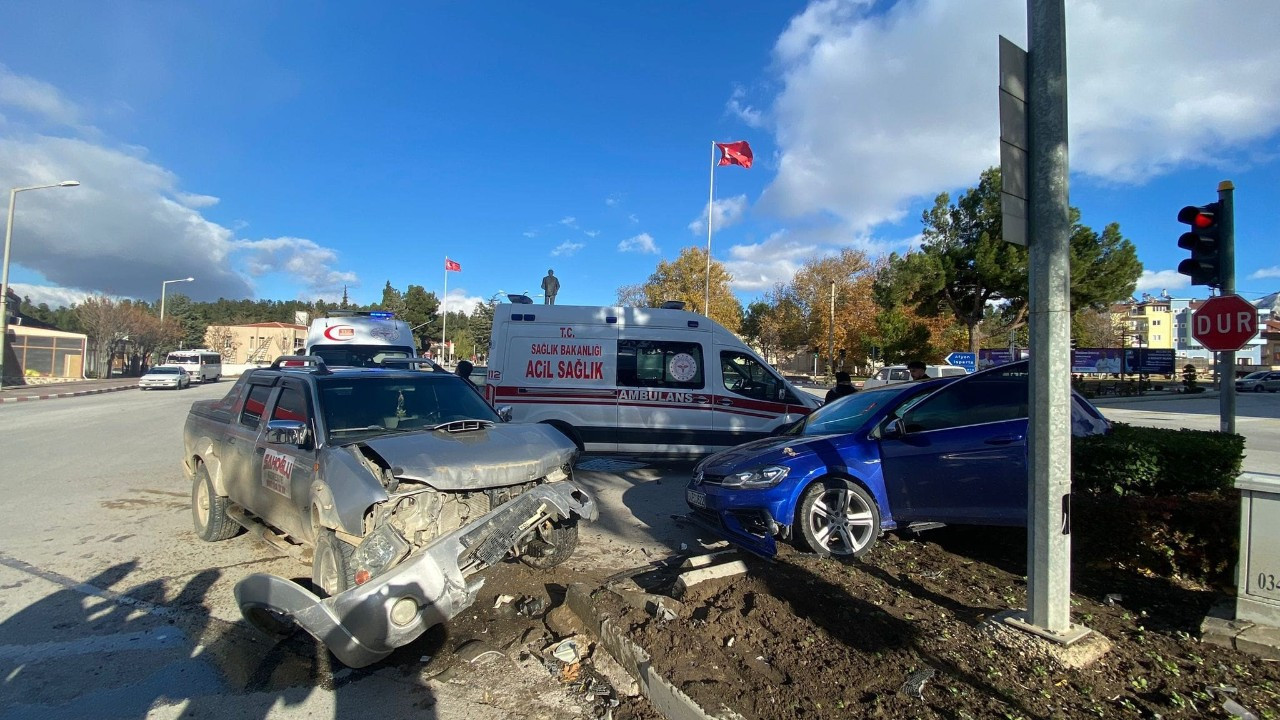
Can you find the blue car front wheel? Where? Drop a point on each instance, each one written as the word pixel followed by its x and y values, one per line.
pixel 837 517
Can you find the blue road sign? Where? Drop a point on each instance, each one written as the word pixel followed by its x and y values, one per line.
pixel 966 360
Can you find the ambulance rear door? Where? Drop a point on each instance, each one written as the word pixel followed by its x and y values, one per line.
pixel 562 373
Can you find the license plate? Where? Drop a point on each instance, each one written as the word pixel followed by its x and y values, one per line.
pixel 695 498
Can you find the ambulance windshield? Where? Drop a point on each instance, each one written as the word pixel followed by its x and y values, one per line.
pixel 358 355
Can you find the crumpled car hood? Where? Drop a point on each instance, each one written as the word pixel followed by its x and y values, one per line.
pixel 504 454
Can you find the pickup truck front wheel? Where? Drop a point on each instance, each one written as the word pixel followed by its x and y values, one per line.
pixel 332 570
pixel 552 544
pixel 209 510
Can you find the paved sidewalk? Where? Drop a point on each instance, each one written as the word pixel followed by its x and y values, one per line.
pixel 1151 397
pixel 23 393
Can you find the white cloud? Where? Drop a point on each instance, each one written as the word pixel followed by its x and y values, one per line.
pixel 878 111
pixel 591 233
pixel 460 301
pixel 613 200
pixel 569 221
pixel 635 219
pixel 760 266
pixel 52 296
pixel 195 201
pixel 1161 280
pixel 725 213
pixel 1264 273
pixel 530 233
pixel 37 98
pixel 567 248
pixel 642 243
pixel 303 260
pixel 738 107
pixel 129 225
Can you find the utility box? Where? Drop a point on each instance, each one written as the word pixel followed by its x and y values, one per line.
pixel 1258 584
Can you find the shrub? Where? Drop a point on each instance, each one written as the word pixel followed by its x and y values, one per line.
pixel 1156 462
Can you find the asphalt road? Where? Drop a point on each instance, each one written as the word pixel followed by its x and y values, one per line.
pixel 110 607
pixel 1257 419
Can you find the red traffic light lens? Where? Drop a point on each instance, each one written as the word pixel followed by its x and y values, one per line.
pixel 1200 218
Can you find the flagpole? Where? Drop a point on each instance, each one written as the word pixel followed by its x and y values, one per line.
pixel 444 311
pixel 711 198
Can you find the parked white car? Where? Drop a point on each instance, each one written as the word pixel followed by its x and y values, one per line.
pixel 165 376
pixel 892 374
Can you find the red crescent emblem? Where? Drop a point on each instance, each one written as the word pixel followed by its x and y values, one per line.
pixel 328 332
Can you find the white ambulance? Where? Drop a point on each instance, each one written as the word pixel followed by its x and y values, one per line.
pixel 359 338
pixel 637 380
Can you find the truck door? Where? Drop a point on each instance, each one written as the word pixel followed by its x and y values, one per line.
pixel 663 402
pixel 285 471
pixel 752 400
pixel 241 451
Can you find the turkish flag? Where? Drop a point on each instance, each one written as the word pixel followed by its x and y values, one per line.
pixel 451 265
pixel 735 153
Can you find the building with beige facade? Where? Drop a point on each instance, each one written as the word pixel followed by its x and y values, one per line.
pixel 255 342
pixel 1150 323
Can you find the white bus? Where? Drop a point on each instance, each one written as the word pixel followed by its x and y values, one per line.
pixel 203 365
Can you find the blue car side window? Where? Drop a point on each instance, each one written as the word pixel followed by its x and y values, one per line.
pixel 971 402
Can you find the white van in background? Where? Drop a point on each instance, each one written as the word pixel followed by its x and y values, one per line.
pixel 360 338
pixel 643 380
pixel 203 365
pixel 894 374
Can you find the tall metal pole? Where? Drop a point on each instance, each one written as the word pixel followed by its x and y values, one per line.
pixel 1227 268
pixel 444 311
pixel 1049 431
pixel 4 285
pixel 711 199
pixel 163 287
pixel 831 333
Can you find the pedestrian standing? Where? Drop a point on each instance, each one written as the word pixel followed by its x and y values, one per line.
pixel 917 370
pixel 844 386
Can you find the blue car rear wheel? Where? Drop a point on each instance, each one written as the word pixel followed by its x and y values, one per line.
pixel 837 517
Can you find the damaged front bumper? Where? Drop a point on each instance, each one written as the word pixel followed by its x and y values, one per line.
pixel 366 623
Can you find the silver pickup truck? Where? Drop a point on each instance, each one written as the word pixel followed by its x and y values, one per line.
pixel 395 484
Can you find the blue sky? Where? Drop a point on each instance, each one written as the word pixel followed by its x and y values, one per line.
pixel 284 150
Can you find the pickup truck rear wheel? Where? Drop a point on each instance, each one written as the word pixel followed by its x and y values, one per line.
pixel 552 543
pixel 209 510
pixel 332 570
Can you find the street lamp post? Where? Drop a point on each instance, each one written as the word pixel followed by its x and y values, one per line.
pixel 165 286
pixel 4 273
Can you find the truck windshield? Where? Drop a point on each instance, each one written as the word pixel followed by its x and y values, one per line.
pixel 358 355
pixel 358 405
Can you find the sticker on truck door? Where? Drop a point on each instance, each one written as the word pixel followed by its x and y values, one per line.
pixel 277 468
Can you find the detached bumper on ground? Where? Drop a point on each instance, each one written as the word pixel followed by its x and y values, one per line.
pixel 366 623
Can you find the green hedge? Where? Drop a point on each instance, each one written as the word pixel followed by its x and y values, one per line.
pixel 1155 462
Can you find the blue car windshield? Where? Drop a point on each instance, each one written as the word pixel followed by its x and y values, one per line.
pixel 849 412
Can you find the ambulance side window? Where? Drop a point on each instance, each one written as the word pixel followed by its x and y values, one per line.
pixel 744 375
pixel 660 364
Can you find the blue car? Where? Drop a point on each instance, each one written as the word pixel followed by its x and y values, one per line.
pixel 950 450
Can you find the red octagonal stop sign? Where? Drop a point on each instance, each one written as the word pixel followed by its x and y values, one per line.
pixel 1225 323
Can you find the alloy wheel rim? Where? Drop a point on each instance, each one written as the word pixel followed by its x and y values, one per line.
pixel 202 504
pixel 841 522
pixel 328 573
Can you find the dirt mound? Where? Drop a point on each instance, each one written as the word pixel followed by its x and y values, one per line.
pixel 900 635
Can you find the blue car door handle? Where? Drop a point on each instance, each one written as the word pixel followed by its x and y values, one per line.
pixel 1003 439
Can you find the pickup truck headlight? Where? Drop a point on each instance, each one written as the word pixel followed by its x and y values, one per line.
pixel 761 477
pixel 380 550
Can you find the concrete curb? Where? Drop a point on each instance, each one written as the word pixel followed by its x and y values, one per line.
pixel 76 393
pixel 1108 401
pixel 665 697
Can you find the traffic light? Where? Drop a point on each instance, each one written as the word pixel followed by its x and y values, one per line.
pixel 1205 243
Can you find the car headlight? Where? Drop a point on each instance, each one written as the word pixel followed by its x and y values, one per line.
pixel 761 477
pixel 381 549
